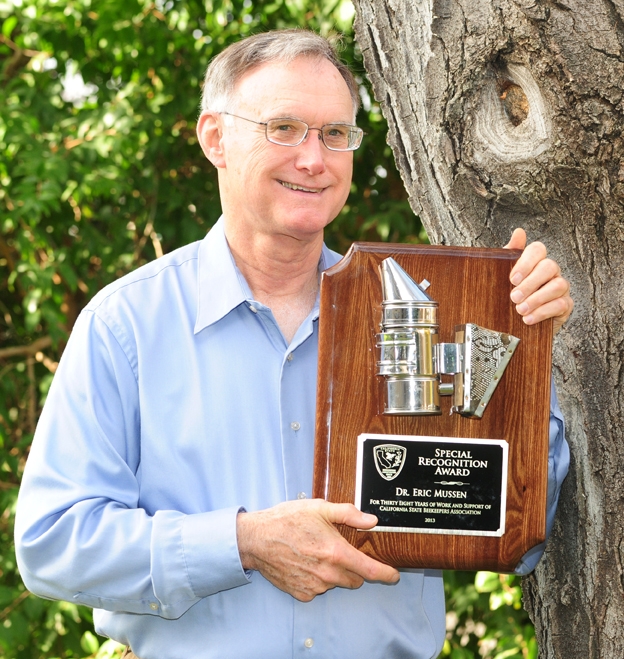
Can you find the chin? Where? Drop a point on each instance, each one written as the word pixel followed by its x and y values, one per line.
pixel 308 226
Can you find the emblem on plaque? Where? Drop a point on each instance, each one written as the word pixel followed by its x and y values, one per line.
pixel 389 460
pixel 412 360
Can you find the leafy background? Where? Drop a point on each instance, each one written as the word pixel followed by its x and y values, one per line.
pixel 100 172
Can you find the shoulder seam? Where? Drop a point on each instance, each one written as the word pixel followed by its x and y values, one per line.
pixel 136 281
pixel 112 333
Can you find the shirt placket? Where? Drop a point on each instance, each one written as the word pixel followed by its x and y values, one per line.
pixel 297 405
pixel 297 421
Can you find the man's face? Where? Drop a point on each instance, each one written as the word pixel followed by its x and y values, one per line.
pixel 282 190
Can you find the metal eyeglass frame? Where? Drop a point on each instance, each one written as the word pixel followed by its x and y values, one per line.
pixel 357 129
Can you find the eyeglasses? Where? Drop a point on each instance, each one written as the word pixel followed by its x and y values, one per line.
pixel 291 132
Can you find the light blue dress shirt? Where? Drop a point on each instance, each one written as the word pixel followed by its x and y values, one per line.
pixel 176 404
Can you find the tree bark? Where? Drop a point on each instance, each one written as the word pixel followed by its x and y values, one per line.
pixel 506 113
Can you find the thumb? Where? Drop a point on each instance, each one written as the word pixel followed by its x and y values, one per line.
pixel 518 240
pixel 347 513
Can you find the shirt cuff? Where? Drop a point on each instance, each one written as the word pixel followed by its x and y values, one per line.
pixel 194 556
pixel 558 464
pixel 211 551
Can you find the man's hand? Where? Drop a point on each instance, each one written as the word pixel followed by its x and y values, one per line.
pixel 297 548
pixel 540 291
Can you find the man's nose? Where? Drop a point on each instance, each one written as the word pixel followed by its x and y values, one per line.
pixel 312 153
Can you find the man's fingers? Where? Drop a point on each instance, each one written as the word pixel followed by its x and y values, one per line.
pixel 557 310
pixel 353 561
pixel 376 571
pixel 544 273
pixel 532 255
pixel 532 297
pixel 540 291
pixel 552 300
pixel 343 567
pixel 350 558
pixel 347 513
pixel 518 240
pixel 328 579
pixel 347 556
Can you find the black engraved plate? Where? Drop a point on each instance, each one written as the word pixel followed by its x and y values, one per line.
pixel 444 485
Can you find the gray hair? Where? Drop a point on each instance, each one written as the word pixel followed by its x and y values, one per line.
pixel 229 66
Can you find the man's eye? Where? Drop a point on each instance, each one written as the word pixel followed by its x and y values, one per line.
pixel 337 131
pixel 283 128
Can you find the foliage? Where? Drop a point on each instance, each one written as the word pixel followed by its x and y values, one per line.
pixel 485 617
pixel 100 171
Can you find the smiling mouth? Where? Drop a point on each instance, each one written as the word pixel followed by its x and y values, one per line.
pixel 292 186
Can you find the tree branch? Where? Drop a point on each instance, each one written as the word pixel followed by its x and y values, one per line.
pixel 14 47
pixel 14 604
pixel 32 349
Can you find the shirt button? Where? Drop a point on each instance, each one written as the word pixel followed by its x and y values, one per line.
pixel 252 308
pixel 154 606
pixel 302 495
pixel 290 357
pixel 309 642
pixel 295 425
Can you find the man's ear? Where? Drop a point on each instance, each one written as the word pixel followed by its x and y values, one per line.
pixel 209 135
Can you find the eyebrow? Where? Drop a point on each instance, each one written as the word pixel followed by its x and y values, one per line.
pixel 295 118
pixel 287 116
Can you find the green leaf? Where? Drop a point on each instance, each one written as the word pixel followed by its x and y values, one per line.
pixel 513 652
pixel 487 582
pixel 89 643
pixel 8 26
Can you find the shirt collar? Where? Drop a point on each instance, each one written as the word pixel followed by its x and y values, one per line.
pixel 221 286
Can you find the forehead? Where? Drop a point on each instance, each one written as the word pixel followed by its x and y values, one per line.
pixel 302 89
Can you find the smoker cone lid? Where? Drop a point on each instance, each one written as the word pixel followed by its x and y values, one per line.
pixel 398 286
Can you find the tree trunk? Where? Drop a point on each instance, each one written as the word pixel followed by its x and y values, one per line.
pixel 506 113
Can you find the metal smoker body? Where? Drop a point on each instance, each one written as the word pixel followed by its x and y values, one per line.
pixel 412 360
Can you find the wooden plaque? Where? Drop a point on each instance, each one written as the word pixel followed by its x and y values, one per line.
pixel 471 285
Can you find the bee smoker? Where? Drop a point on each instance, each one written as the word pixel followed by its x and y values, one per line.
pixel 412 360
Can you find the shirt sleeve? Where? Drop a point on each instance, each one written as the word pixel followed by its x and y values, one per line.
pixel 82 534
pixel 558 464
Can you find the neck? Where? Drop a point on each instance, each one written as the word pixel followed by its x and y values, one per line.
pixel 282 272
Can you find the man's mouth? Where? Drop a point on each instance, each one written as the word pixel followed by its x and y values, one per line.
pixel 292 186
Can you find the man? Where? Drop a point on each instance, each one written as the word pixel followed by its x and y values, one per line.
pixel 167 484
